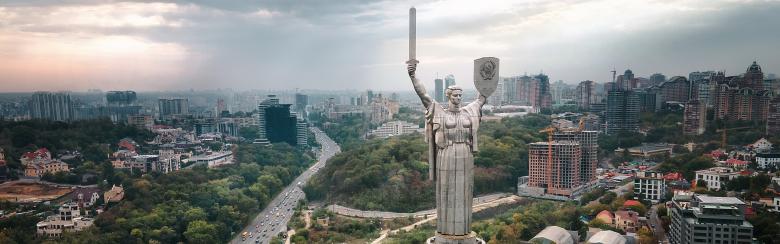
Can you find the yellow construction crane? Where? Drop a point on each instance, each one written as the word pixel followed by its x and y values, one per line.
pixel 723 134
pixel 549 130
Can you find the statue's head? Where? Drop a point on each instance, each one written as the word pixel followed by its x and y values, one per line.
pixel 454 94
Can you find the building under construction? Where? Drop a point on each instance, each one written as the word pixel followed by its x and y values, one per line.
pixel 589 147
pixel 554 167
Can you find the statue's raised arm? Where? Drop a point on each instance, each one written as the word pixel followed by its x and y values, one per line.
pixel 418 87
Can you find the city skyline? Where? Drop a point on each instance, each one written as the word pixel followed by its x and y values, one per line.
pixel 81 45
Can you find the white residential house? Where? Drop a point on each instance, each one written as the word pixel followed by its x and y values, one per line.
pixel 761 145
pixel 395 128
pixel 716 177
pixel 650 185
pixel 67 218
pixel 768 160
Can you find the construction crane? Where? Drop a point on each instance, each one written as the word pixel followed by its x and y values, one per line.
pixel 549 130
pixel 723 134
pixel 614 72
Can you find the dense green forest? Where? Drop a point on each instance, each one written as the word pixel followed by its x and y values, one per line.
pixel 392 174
pixel 385 174
pixel 197 205
pixel 524 222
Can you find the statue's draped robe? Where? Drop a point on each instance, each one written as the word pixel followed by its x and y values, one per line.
pixel 454 137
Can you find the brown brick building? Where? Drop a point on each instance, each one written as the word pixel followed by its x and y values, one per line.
pixel 742 97
pixel 564 174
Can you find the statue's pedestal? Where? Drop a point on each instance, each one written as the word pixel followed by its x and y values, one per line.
pixel 451 239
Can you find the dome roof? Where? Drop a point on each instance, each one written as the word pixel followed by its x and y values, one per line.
pixel 607 237
pixel 605 216
pixel 554 234
pixel 754 67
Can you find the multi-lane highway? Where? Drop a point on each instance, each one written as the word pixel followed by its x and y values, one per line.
pixel 273 219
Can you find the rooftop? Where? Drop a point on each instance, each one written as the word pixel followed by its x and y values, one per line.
pixel 719 200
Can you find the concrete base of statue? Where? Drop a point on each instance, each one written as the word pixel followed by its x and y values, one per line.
pixel 451 239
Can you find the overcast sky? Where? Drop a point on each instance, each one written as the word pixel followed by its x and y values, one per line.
pixel 349 44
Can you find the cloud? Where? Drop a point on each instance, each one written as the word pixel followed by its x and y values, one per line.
pixel 147 45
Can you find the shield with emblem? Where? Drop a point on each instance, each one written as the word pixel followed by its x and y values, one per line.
pixel 486 75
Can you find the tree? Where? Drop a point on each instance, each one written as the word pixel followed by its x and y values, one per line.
pixel 248 133
pixel 200 231
pixel 701 183
pixel 194 214
pixel 608 198
pixel 645 236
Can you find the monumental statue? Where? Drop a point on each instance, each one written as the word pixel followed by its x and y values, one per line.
pixel 451 133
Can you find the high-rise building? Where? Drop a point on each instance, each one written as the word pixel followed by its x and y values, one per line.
pixel 499 95
pixel 276 123
pixel 694 118
pixel 280 125
pixel 369 96
pixel 169 107
pixel 700 75
pixel 611 86
pixel 524 88
pixel 622 112
pixel 262 137
pixel 676 89
pixel 705 89
pixel 438 92
pixel 703 219
pixel 589 147
pixel 221 109
pixel 701 87
pixel 742 97
pixel 657 78
pixel 510 89
pixel 120 98
pixel 301 131
pixel 648 100
pixel 626 81
pixel 51 106
pixel 559 176
pixel 449 80
pixel 773 117
pixel 558 92
pixel 540 96
pixel 119 106
pixel 585 94
pixel 301 101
